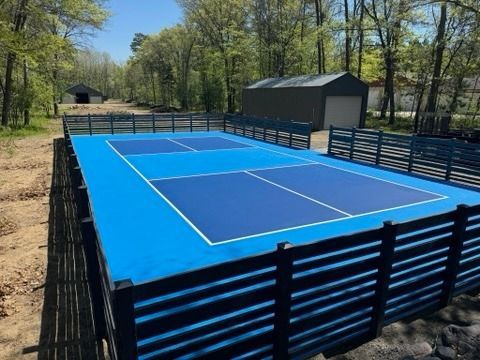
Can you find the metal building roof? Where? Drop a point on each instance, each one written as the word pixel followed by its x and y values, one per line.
pixel 297 81
pixel 83 88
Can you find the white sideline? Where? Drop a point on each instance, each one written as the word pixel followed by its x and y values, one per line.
pixel 162 196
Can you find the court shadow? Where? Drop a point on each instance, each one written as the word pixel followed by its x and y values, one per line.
pixel 67 328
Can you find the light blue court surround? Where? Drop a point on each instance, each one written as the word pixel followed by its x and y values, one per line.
pixel 144 237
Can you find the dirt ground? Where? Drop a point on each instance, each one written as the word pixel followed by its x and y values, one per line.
pixel 45 308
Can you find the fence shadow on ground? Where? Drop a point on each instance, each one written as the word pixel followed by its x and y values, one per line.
pixel 67 329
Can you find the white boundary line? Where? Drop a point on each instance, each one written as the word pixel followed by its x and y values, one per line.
pixel 162 196
pixel 322 222
pixel 227 172
pixel 185 146
pixel 187 152
pixel 299 194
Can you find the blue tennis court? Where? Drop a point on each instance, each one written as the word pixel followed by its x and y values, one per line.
pixel 166 203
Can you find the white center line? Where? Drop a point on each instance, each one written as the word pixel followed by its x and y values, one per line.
pixel 299 194
pixel 185 146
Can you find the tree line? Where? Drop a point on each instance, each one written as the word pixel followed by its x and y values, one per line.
pixel 223 45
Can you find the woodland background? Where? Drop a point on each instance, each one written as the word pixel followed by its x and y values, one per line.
pixel 430 46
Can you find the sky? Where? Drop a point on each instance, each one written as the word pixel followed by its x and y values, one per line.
pixel 132 16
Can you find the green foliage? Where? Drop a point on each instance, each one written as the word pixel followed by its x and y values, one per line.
pixel 402 125
pixel 38 45
pixel 39 125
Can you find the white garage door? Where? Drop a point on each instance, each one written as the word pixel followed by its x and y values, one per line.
pixel 342 111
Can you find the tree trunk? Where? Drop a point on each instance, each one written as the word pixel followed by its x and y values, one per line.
pixel 318 14
pixel 348 39
pixel 385 97
pixel 18 22
pixel 360 40
pixel 437 66
pixel 26 109
pixel 228 85
pixel 7 89
pixel 152 80
pixel 417 111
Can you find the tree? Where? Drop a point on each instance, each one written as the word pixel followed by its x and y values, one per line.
pixel 137 42
pixel 438 59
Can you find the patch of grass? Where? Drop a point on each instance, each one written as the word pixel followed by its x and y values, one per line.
pixel 402 125
pixel 38 125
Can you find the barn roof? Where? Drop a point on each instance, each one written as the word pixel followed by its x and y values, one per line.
pixel 297 81
pixel 82 88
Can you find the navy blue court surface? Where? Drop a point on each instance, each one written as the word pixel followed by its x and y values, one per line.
pixel 167 203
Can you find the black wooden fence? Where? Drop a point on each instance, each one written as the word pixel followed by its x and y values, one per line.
pixel 293 302
pixel 451 159
pixel 286 133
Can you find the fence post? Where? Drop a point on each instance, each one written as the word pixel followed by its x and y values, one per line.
pixel 125 319
pixel 379 147
pixel 330 134
pixel 244 124
pixel 264 129
pixel 309 140
pixel 451 150
pixel 64 123
pixel 208 121
pixel 89 124
pixel 133 124
pixel 454 254
pixel 173 122
pixel 89 238
pixel 412 153
pixel 387 249
pixel 191 123
pixel 290 129
pixel 111 123
pixel 153 123
pixel 82 204
pixel 352 143
pixel 283 298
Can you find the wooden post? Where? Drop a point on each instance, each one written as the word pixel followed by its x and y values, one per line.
pixel 111 123
pixel 133 123
pixel 83 204
pixel 276 132
pixel 330 135
pixel 89 124
pixel 208 122
pixel 283 299
pixel 191 123
pixel 352 143
pixel 451 151
pixel 309 140
pixel 264 129
pixel 173 122
pixel 153 123
pixel 89 238
pixel 454 254
pixel 125 319
pixel 387 249
pixel 378 156
pixel 411 158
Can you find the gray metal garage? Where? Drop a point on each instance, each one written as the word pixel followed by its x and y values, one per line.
pixel 82 94
pixel 338 99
